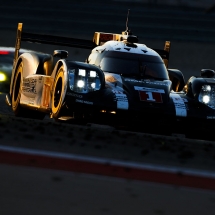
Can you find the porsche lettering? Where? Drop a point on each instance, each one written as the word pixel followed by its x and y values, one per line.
pixel 84 102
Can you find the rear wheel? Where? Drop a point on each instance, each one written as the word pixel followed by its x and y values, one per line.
pixel 18 110
pixel 16 93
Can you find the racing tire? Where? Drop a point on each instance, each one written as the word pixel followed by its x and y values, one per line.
pixel 18 110
pixel 16 93
pixel 57 100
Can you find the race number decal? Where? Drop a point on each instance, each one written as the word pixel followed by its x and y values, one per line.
pixel 150 94
pixel 150 97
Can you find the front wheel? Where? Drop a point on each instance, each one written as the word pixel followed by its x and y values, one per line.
pixel 57 97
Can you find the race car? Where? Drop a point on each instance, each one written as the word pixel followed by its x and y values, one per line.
pixel 6 66
pixel 121 80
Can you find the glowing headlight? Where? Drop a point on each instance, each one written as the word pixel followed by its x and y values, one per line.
pixel 92 74
pixel 207 95
pixel 82 72
pixel 206 88
pixel 3 77
pixel 93 85
pixel 206 99
pixel 80 83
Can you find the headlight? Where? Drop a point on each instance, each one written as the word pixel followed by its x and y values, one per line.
pixel 92 74
pixel 3 77
pixel 80 83
pixel 206 99
pixel 207 95
pixel 82 72
pixel 84 81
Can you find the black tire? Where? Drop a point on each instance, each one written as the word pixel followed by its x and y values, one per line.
pixel 16 92
pixel 18 110
pixel 57 99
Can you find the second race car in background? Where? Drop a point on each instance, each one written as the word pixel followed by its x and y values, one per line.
pixel 121 80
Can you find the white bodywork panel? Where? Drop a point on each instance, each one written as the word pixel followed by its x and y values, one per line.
pixel 122 47
pixel 30 63
pixel 180 107
pixel 36 91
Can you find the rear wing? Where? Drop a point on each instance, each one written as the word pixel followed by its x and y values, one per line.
pixel 98 39
pixel 49 39
pixel 102 37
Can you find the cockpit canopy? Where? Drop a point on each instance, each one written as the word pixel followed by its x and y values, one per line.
pixel 130 64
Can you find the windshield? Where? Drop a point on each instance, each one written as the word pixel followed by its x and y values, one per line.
pixel 129 64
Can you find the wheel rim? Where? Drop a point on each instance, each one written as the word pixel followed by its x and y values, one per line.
pixel 17 87
pixel 58 92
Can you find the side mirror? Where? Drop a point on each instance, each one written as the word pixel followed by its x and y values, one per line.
pixel 60 53
pixel 207 73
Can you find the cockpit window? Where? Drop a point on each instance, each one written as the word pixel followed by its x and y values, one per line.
pixel 129 64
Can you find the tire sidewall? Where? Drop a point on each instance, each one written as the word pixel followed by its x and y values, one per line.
pixel 16 101
pixel 56 109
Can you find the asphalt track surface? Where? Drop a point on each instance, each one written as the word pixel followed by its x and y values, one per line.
pixel 51 168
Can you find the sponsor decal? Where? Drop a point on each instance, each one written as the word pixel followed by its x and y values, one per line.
pixel 147 89
pixel 84 102
pixel 117 92
pixel 180 108
pixel 74 95
pixel 29 85
pixel 115 82
pixel 148 82
pixel 122 101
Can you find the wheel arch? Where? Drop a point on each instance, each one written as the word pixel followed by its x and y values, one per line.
pixel 33 63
